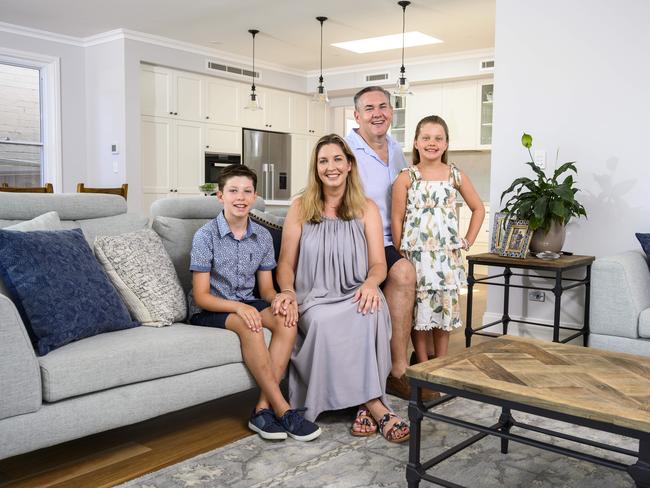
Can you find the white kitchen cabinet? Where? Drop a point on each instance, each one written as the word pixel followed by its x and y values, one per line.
pixel 425 101
pixel 461 112
pixel 171 93
pixel 317 118
pixel 486 93
pixel 172 158
pixel 277 113
pixel 223 101
pixel 301 147
pixel 299 114
pixel 222 139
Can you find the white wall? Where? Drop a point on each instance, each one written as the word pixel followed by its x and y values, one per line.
pixel 105 114
pixel 73 102
pixel 575 75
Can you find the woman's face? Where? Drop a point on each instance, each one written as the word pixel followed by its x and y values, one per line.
pixel 332 166
pixel 431 142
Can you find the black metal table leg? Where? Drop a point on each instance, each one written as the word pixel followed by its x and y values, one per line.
pixel 507 421
pixel 470 294
pixel 414 469
pixel 585 327
pixel 506 298
pixel 557 291
pixel 640 472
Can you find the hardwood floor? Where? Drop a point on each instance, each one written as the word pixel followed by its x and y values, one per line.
pixel 118 455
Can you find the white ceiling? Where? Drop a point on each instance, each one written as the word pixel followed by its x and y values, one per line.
pixel 289 32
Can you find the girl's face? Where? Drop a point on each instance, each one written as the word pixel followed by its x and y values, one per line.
pixel 431 142
pixel 332 166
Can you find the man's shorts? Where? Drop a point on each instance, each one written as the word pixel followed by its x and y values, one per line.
pixel 218 319
pixel 392 256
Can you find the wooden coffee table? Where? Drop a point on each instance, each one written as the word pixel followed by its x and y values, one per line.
pixel 602 390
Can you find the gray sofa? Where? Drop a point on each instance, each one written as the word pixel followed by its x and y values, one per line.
pixel 116 378
pixel 620 303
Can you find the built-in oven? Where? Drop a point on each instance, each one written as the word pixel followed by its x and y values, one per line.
pixel 215 162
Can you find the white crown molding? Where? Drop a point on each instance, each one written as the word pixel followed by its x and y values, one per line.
pixel 387 65
pixel 41 34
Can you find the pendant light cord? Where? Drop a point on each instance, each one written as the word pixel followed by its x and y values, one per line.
pixel 321 20
pixel 403 4
pixel 253 32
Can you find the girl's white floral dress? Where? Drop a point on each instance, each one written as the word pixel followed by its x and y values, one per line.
pixel 431 242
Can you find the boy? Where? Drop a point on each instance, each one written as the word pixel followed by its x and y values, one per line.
pixel 228 253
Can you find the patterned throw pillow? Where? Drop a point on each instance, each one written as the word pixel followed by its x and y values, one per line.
pixel 144 275
pixel 644 239
pixel 273 224
pixel 59 288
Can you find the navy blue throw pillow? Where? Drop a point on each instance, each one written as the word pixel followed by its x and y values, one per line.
pixel 59 288
pixel 644 239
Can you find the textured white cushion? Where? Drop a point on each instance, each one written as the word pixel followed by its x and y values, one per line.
pixel 143 274
pixel 47 221
pixel 644 324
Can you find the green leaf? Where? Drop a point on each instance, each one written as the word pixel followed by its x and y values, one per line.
pixel 539 210
pixel 566 166
pixel 537 170
pixel 527 140
pixel 563 192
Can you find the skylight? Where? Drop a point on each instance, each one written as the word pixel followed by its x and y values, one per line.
pixel 385 43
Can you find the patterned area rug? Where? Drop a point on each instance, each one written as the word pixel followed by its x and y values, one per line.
pixel 337 459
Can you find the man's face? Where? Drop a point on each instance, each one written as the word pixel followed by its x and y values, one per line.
pixel 373 114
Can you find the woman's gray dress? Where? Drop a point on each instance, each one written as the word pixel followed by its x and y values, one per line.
pixel 341 357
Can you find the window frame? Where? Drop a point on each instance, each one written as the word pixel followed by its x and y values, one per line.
pixel 49 68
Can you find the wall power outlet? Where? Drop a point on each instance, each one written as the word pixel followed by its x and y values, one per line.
pixel 536 296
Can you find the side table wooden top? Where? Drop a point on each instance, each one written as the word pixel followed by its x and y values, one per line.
pixel 562 262
pixel 589 383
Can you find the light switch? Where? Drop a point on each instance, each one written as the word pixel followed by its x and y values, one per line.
pixel 115 167
pixel 540 158
pixel 114 148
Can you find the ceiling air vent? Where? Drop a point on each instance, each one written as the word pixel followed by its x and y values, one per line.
pixel 487 65
pixel 234 70
pixel 376 77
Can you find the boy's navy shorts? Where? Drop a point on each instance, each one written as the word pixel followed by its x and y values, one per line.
pixel 218 319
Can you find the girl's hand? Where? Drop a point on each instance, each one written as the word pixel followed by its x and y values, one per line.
pixel 368 297
pixel 250 316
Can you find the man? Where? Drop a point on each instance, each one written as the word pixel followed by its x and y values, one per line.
pixel 380 159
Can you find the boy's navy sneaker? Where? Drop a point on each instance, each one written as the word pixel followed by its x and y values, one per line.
pixel 266 424
pixel 298 426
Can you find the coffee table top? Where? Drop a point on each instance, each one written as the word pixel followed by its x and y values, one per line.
pixel 589 383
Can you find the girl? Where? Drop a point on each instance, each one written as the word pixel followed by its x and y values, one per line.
pixel 425 229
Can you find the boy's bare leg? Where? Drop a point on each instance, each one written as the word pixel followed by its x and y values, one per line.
pixel 258 361
pixel 282 341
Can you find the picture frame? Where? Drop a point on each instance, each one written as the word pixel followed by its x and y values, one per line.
pixel 516 238
pixel 498 232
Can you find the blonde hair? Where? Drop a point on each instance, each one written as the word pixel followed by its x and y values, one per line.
pixel 354 200
pixel 431 119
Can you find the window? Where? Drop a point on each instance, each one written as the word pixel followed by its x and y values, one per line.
pixel 30 119
pixel 21 146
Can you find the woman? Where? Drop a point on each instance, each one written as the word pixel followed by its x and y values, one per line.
pixel 332 249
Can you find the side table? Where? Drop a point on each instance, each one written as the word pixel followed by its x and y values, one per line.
pixel 557 268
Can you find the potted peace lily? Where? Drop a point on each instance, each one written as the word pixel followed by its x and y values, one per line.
pixel 207 188
pixel 547 203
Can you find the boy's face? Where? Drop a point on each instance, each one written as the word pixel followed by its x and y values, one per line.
pixel 237 196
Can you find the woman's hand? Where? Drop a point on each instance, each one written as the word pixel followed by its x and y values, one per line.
pixel 368 297
pixel 285 304
pixel 251 317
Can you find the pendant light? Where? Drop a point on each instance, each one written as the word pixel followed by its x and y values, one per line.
pixel 321 93
pixel 253 102
pixel 402 86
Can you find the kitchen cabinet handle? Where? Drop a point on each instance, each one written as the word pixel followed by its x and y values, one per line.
pixel 207 147
pixel 171 113
pixel 207 117
pixel 175 113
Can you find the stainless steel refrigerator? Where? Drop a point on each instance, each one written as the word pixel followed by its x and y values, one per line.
pixel 269 155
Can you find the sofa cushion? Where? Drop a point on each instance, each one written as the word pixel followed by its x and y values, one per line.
pixel 192 207
pixel 644 324
pixel 135 355
pixel 644 239
pixel 47 221
pixel 59 287
pixel 177 235
pixel 69 206
pixel 111 226
pixel 143 274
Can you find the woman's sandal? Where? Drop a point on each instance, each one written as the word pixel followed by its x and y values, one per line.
pixel 363 418
pixel 390 434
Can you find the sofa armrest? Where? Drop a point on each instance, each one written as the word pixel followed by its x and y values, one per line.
pixel 620 291
pixel 20 377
